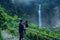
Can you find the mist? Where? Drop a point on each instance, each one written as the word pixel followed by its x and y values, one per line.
pixel 26 2
pixel 56 18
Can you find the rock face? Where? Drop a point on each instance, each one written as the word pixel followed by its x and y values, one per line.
pixel 56 18
pixel 51 16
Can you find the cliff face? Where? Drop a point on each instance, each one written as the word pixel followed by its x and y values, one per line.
pixel 51 14
pixel 24 11
pixel 50 11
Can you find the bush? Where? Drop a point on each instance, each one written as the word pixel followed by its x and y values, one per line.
pixel 35 33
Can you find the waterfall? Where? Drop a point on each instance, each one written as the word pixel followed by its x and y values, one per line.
pixel 39 13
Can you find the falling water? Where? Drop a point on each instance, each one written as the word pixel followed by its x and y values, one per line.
pixel 39 13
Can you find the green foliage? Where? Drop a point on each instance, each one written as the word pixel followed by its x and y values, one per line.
pixel 8 20
pixel 11 22
pixel 33 26
pixel 41 34
pixel 33 32
pixel 2 19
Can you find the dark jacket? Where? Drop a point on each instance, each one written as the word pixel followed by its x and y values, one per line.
pixel 21 28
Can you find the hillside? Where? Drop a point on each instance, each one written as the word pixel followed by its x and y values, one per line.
pixel 11 11
pixel 10 23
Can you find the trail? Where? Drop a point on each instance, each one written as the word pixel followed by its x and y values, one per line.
pixel 7 36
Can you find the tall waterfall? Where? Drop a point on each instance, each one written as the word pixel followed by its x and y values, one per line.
pixel 39 13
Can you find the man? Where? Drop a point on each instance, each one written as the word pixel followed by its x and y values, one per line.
pixel 21 30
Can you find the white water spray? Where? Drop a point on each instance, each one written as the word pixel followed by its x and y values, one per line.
pixel 39 13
